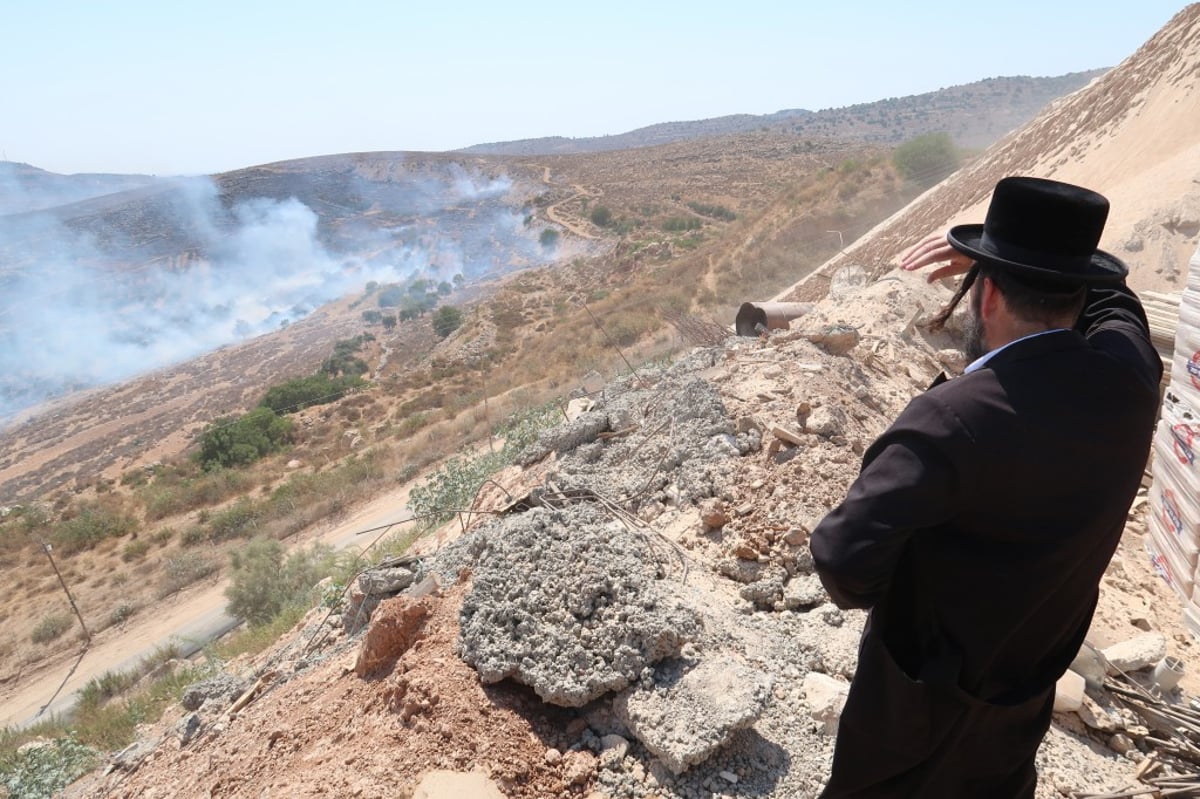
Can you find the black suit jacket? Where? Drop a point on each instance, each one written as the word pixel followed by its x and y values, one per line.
pixel 984 517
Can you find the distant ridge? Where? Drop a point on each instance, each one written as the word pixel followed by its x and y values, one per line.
pixel 953 110
pixel 26 188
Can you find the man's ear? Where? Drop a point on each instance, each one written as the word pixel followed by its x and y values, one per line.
pixel 992 301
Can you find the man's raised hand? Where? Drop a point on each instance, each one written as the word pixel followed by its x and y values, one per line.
pixel 936 249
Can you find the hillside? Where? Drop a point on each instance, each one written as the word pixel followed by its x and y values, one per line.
pixel 967 112
pixel 668 514
pixel 1132 135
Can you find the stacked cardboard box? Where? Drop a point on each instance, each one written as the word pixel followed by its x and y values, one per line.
pixel 1174 538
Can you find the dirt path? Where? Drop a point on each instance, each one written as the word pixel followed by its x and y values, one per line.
pixel 191 618
pixel 552 210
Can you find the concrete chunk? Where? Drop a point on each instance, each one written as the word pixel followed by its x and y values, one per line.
pixel 825 697
pixel 685 715
pixel 565 601
pixel 1068 692
pixel 1139 652
pixel 453 784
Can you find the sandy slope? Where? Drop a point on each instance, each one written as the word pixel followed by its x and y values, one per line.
pixel 1133 135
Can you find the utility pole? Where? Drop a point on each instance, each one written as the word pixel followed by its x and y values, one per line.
pixel 87 636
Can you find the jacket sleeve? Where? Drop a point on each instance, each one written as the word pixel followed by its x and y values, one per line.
pixel 1114 321
pixel 908 482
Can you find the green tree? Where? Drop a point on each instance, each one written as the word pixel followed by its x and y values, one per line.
pixel 548 238
pixel 390 296
pixel 601 216
pixel 316 389
pixel 241 441
pixel 446 320
pixel 927 159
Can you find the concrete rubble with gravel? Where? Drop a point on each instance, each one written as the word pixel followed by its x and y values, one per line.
pixel 660 589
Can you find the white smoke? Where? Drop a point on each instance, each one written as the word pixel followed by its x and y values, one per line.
pixel 73 316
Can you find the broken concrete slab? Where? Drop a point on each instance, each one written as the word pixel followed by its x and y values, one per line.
pixel 689 710
pixel 804 591
pixel 1068 692
pixel 566 437
pixel 1139 652
pixel 825 697
pixel 763 593
pixel 566 602
pixel 1090 665
pixel 387 581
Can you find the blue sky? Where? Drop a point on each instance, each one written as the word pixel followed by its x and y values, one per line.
pixel 186 87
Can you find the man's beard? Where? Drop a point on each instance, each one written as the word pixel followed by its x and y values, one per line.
pixel 973 344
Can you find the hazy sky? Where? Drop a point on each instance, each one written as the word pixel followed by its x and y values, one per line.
pixel 189 87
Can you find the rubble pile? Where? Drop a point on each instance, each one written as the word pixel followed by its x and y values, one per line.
pixel 642 619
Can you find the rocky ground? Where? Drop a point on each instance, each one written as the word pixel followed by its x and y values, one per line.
pixel 641 620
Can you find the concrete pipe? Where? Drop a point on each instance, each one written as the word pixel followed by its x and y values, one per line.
pixel 755 318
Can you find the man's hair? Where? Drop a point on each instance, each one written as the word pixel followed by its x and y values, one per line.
pixel 1037 303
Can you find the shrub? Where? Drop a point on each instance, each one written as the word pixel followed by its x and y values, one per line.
pixel 93 522
pixel 926 159
pixel 304 392
pixel 135 550
pixel 548 238
pixel 601 216
pixel 239 520
pixel 713 211
pixel 677 224
pixel 241 441
pixel 344 361
pixel 43 771
pixel 446 320
pixel 184 569
pixel 99 690
pixel 265 581
pixel 135 477
pixel 454 486
pixel 193 536
pixel 161 502
pixel 51 626
pixel 122 612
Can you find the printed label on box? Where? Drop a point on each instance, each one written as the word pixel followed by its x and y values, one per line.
pixel 1170 512
pixel 1184 443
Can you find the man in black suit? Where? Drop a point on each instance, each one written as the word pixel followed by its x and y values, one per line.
pixel 983 519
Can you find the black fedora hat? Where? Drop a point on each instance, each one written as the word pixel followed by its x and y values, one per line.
pixel 1044 232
